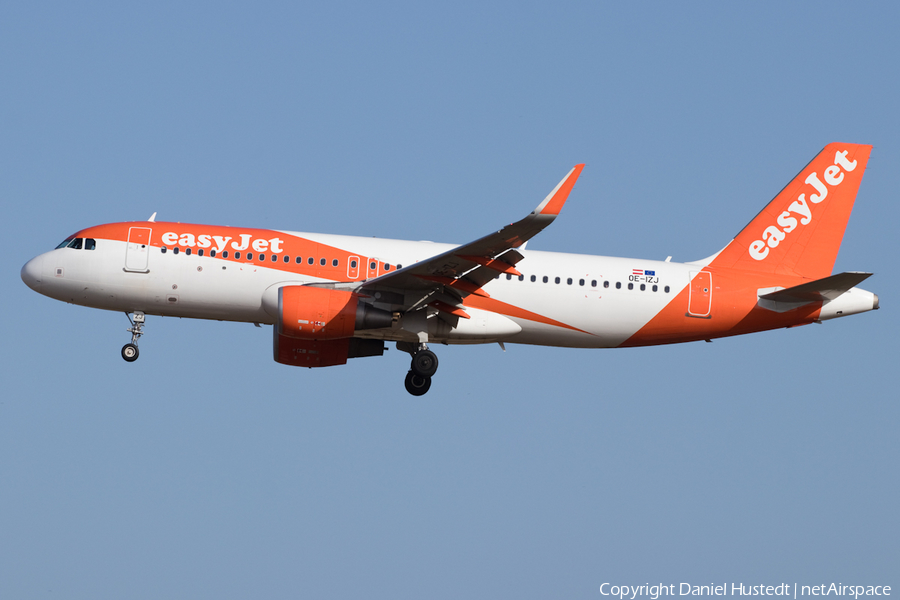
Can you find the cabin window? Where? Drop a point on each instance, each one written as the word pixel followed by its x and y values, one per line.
pixel 643 287
pixel 655 288
pixel 630 286
pixel 163 250
pixel 287 258
pixel 508 277
pixel 399 267
pixel 212 253
pixel 352 264
pixel 90 244
pixel 298 260
pixel 618 285
pixel 534 278
pixel 546 279
pixel 237 255
pixel 188 251
pixel 175 250
pixel 556 280
pixel 666 289
pixel 334 263
pixel 322 261
pixel 310 261
pixel 372 265
pixel 200 252
pixel 275 258
pixel 606 284
pixel 249 256
pixel 581 282
pixel 569 281
pixel 225 255
pixel 521 278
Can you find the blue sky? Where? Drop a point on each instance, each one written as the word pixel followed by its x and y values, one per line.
pixel 206 470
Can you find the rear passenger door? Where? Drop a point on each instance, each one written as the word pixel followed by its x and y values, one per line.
pixel 700 301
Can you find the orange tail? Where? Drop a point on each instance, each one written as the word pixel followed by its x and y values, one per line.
pixel 800 231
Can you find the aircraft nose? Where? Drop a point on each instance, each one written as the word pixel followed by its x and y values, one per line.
pixel 32 273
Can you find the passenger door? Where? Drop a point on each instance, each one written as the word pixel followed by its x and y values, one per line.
pixel 137 250
pixel 700 301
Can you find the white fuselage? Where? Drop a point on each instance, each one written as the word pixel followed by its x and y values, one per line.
pixel 579 291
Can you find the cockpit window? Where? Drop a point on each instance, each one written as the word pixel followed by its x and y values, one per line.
pixel 78 243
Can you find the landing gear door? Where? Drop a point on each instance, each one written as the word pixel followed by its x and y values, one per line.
pixel 700 301
pixel 137 250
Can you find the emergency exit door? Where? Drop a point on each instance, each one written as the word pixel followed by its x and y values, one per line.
pixel 373 269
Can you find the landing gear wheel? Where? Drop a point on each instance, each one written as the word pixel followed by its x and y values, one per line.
pixel 130 352
pixel 424 363
pixel 416 384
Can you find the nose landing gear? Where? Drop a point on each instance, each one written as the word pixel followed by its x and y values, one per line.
pixel 423 366
pixel 130 351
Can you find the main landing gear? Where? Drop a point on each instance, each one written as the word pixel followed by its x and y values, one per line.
pixel 130 351
pixel 423 366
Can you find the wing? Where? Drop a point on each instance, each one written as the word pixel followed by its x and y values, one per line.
pixel 442 281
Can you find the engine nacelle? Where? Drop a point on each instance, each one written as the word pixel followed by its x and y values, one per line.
pixel 311 313
pixel 315 326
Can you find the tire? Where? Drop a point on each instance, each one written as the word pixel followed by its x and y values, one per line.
pixel 130 352
pixel 424 363
pixel 417 385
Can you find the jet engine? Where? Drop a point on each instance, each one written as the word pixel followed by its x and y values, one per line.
pixel 315 327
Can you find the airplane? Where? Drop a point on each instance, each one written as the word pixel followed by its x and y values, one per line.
pixel 330 298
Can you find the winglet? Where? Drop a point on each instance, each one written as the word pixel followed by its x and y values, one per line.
pixel 554 201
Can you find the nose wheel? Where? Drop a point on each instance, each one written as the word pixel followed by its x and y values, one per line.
pixel 423 366
pixel 130 351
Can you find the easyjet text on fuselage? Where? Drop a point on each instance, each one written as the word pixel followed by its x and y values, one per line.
pixel 220 242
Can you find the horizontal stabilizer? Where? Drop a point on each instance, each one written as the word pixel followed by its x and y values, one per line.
pixel 820 290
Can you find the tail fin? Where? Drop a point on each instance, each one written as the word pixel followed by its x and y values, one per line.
pixel 800 231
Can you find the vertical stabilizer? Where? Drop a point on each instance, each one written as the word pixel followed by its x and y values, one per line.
pixel 800 231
